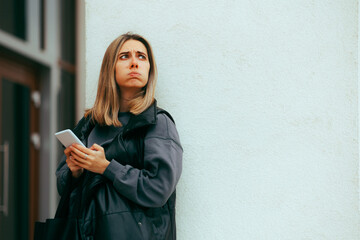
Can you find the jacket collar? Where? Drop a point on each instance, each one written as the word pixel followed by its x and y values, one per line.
pixel 146 118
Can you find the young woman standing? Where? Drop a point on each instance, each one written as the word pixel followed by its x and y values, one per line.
pixel 122 185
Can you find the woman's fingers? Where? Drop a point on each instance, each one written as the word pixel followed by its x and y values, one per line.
pixel 74 167
pixel 72 164
pixel 80 148
pixel 97 147
pixel 67 151
pixel 79 153
pixel 82 160
pixel 79 159
pixel 92 159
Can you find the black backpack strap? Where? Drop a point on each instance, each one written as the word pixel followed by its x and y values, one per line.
pixel 162 111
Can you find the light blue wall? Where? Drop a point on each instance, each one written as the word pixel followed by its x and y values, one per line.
pixel 264 94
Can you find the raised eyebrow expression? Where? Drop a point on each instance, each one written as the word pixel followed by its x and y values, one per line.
pixel 140 54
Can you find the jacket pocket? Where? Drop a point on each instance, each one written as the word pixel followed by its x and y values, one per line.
pixel 158 220
pixel 121 225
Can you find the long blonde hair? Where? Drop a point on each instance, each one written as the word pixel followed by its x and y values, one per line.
pixel 107 103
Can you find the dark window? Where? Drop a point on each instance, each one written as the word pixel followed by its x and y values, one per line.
pixel 68 31
pixel 12 17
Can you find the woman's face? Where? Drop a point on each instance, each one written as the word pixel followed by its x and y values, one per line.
pixel 132 66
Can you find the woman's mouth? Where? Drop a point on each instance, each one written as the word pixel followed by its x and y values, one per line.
pixel 134 74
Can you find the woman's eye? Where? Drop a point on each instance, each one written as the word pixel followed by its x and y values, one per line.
pixel 123 56
pixel 142 57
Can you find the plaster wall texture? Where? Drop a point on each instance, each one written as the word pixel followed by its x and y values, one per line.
pixel 264 94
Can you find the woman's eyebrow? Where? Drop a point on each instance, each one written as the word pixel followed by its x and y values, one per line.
pixel 127 52
pixel 124 52
pixel 140 52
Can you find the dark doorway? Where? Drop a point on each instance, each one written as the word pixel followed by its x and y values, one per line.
pixel 19 151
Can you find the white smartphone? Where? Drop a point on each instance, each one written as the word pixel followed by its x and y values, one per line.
pixel 67 137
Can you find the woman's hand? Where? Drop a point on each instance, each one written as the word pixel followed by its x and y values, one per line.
pixel 74 168
pixel 92 159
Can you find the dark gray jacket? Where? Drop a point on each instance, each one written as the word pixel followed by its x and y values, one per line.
pixel 135 197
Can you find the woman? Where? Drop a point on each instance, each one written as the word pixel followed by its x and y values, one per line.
pixel 123 185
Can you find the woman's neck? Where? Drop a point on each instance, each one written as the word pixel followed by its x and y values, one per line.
pixel 124 105
pixel 126 97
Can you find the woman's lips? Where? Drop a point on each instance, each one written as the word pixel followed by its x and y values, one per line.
pixel 134 74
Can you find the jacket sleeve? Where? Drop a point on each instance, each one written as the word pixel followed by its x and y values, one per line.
pixel 63 176
pixel 153 185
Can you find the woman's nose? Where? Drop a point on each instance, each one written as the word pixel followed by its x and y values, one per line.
pixel 134 63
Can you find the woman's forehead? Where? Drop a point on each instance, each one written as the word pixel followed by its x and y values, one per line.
pixel 133 46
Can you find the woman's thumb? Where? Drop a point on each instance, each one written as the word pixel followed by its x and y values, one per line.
pixel 96 147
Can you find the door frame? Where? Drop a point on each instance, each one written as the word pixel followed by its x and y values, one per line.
pixel 27 76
